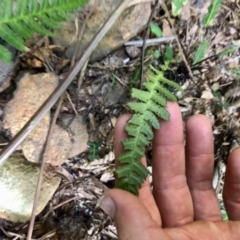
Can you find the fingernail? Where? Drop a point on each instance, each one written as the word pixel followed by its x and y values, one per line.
pixel 107 205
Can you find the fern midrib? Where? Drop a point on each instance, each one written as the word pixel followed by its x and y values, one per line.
pixel 31 15
pixel 140 125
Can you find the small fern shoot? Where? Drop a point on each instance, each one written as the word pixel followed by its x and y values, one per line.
pixel 148 105
pixel 19 19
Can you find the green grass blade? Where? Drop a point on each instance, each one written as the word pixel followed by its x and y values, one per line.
pixel 201 51
pixel 212 12
pixel 228 51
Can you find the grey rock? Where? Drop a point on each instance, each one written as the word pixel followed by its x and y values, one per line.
pixel 79 134
pixel 5 70
pixel 18 181
pixel 114 95
pixel 129 24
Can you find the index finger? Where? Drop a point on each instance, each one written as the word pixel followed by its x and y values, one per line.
pixel 145 194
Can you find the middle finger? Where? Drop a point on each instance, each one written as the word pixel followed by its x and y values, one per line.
pixel 170 187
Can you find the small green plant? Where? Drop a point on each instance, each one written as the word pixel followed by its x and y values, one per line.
pixel 208 19
pixel 201 51
pixel 156 54
pixel 168 54
pixel 19 19
pixel 93 152
pixel 148 105
pixel 155 29
pixel 212 12
pixel 235 71
pixel 177 6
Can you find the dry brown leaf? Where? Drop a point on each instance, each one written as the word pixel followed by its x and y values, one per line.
pixel 166 29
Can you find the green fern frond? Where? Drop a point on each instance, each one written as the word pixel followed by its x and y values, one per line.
pixel 148 107
pixel 212 12
pixel 201 51
pixel 21 18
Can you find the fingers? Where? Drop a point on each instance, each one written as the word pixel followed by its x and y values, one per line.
pixel 145 194
pixel 231 190
pixel 132 219
pixel 199 168
pixel 169 181
pixel 207 230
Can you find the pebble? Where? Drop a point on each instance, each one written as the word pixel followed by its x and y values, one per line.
pixel 133 51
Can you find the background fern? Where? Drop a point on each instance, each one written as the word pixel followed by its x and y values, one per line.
pixel 149 105
pixel 19 19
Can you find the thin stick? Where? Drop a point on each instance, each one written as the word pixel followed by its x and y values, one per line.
pixel 150 42
pixel 37 117
pixel 40 177
pixel 144 42
pixel 120 81
pixel 79 37
pixel 72 105
pixel 81 75
pixel 61 204
pixel 133 2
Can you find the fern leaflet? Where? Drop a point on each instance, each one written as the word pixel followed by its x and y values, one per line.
pixel 149 105
pixel 21 18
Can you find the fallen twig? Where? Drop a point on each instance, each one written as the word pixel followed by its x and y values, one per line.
pixel 40 177
pixel 150 42
pixel 79 37
pixel 71 103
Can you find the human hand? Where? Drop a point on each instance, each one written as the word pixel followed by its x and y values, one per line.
pixel 183 204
